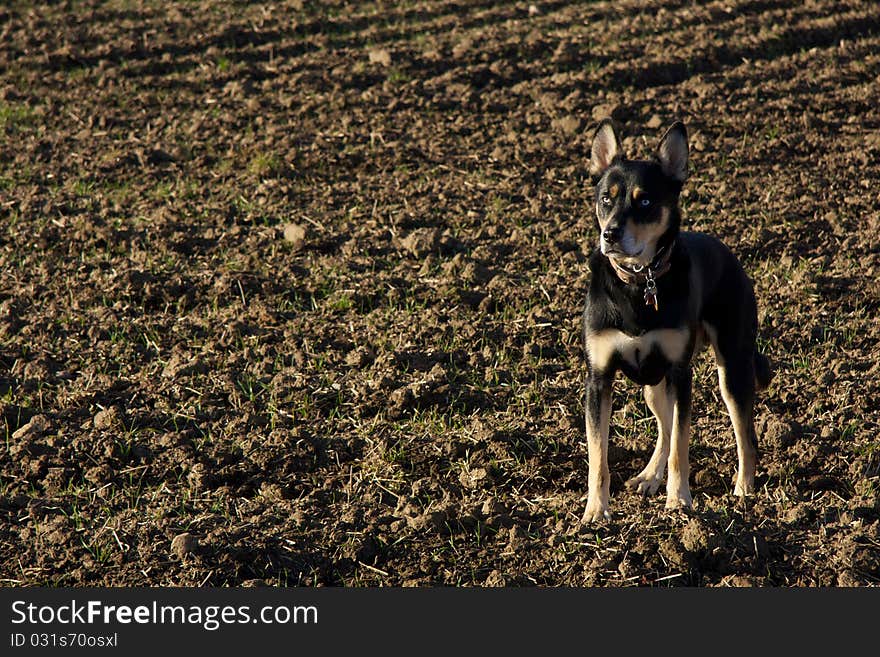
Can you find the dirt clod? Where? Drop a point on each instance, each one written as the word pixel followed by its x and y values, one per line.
pixel 184 544
pixel 474 478
pixel 605 111
pixel 421 242
pixel 107 418
pixel 35 428
pixel 567 125
pixel 380 56
pixel 295 234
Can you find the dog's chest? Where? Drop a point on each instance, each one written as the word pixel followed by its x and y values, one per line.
pixel 643 358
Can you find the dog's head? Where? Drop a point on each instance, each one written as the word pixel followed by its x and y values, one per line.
pixel 637 200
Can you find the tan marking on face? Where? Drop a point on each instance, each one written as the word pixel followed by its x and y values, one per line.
pixel 642 238
pixel 649 233
pixel 614 190
pixel 603 345
pixel 637 192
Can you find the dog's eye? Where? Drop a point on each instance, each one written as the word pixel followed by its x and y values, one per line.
pixel 644 202
pixel 606 200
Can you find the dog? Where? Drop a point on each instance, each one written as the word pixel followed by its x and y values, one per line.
pixel 657 295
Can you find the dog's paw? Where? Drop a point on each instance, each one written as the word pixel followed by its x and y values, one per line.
pixel 679 500
pixel 594 513
pixel 645 483
pixel 744 488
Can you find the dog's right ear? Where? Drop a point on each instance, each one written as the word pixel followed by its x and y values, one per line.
pixel 606 147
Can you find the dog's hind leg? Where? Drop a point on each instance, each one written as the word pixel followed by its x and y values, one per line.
pixel 738 378
pixel 737 382
pixel 662 405
pixel 678 492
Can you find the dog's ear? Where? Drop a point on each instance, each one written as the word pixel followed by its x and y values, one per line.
pixel 673 152
pixel 606 147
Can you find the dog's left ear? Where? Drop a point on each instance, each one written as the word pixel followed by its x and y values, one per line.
pixel 673 152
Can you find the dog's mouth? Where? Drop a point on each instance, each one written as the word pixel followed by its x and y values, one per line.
pixel 620 256
pixel 615 252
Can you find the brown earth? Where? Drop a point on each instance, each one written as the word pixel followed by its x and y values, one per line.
pixel 290 292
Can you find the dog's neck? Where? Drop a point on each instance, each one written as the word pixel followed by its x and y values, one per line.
pixel 655 269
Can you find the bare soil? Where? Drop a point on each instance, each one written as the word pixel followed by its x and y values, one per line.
pixel 290 291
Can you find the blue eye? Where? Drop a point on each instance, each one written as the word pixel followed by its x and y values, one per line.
pixel 606 200
pixel 644 202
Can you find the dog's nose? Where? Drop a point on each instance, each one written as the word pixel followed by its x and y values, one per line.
pixel 612 234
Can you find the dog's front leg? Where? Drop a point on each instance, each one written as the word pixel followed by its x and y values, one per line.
pixel 678 492
pixel 598 418
pixel 661 401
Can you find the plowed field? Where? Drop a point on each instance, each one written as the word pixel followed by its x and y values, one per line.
pixel 290 292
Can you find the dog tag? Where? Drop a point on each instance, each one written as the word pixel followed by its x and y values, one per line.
pixel 651 291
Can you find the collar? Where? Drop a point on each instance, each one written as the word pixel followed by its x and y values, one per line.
pixel 658 266
pixel 646 276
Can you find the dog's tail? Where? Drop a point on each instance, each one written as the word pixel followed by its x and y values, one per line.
pixel 763 371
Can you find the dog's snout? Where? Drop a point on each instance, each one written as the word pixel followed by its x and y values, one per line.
pixel 612 234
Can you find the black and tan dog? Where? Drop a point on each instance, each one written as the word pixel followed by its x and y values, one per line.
pixel 656 296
